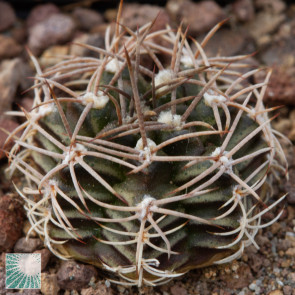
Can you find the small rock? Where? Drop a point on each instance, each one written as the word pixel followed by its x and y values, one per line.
pixel 45 256
pixel 87 18
pixel 137 15
pixel 19 34
pixel 27 246
pixel 58 28
pixel 9 47
pixel 49 284
pixel 100 289
pixel 274 6
pixel 287 290
pixel 275 228
pixel 291 252
pixel 53 55
pixel 286 263
pixel 73 275
pixel 7 16
pixel 243 10
pixel 263 24
pixel 8 125
pixel 40 13
pixel 177 289
pixel 280 53
pixel 13 75
pixel 27 103
pixel 276 292
pixel 284 245
pixel 11 220
pixel 281 85
pixel 290 187
pixel 91 39
pixel 242 278
pixel 226 42
pixel 256 262
pixel 200 17
pixel 2 280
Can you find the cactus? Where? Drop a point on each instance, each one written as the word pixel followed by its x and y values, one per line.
pixel 147 173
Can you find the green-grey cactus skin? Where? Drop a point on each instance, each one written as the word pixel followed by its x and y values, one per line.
pixel 146 174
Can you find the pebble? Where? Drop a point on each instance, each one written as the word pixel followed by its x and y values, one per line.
pixel 242 278
pixel 29 245
pixel 2 280
pixel 287 290
pixel 290 188
pixel 243 10
pixel 58 28
pixel 226 42
pixel 96 40
pixel 255 262
pixel 275 228
pixel 200 17
pixel 9 47
pixel 73 275
pixel 263 24
pixel 291 252
pixel 8 125
pixel 281 86
pixel 27 104
pixel 100 289
pixel 286 263
pixel 7 16
pixel 280 53
pixel 136 15
pixel 274 6
pixel 40 13
pixel 13 75
pixel 254 287
pixel 53 55
pixel 178 289
pixel 276 292
pixel 87 18
pixel 45 256
pixel 19 34
pixel 49 284
pixel 284 245
pixel 11 220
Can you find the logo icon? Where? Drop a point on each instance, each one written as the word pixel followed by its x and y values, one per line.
pixel 23 271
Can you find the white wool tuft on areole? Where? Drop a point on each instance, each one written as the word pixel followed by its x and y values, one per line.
pixel 210 98
pixel 72 152
pixel 164 76
pixel 216 152
pixel 139 145
pixel 145 152
pixel 187 61
pixel 170 119
pixel 146 205
pixel 99 101
pixel 45 110
pixel 113 66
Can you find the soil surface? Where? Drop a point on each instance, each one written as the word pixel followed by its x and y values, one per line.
pixel 263 27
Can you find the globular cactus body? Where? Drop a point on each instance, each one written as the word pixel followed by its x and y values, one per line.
pixel 144 173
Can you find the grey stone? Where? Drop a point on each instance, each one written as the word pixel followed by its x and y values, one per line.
pixel 58 28
pixel 27 246
pixel 7 16
pixel 74 276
